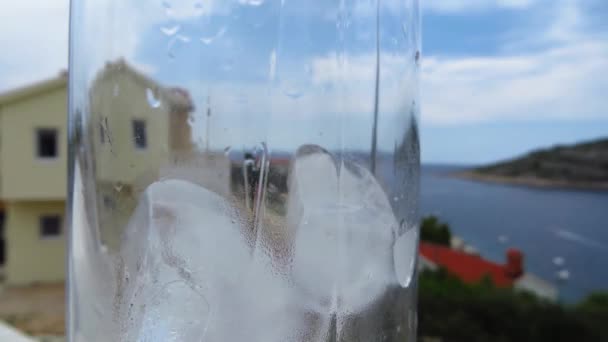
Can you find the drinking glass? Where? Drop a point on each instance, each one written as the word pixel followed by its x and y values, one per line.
pixel 243 170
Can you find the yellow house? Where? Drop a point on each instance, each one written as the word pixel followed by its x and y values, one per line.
pixel 33 160
pixel 135 127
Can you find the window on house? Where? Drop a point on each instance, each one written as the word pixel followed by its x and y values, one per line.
pixel 139 134
pixel 102 134
pixel 50 226
pixel 47 143
pixel 108 203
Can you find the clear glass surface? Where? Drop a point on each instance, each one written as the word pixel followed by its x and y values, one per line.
pixel 243 170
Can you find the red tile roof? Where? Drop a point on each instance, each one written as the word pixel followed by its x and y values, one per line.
pixel 468 268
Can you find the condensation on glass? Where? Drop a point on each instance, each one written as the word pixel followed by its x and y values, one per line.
pixel 243 170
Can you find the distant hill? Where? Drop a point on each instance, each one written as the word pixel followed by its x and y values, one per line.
pixel 583 165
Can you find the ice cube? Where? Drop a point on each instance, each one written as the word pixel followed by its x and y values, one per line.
pixel 404 256
pixel 189 274
pixel 345 231
pixel 181 249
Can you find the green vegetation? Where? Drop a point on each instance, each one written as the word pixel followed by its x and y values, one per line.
pixel 435 231
pixel 451 310
pixel 454 311
pixel 584 165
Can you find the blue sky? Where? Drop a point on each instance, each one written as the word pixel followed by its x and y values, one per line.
pixel 504 77
pixel 498 77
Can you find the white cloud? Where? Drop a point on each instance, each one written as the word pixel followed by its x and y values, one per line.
pixel 557 83
pixel 345 84
pixel 558 78
pixel 34 41
pixel 34 38
pixel 560 83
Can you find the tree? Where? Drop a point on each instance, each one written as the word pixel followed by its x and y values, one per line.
pixel 432 230
pixel 455 311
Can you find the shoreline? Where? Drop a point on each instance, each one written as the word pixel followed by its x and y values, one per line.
pixel 531 182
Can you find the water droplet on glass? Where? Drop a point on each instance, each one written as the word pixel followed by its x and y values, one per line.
pixel 153 101
pixel 210 39
pixel 404 29
pixel 559 261
pixel 251 2
pixel 170 45
pixel 221 32
pixel 118 187
pixel 404 256
pixel 198 8
pixel 169 31
pixel 116 90
pixel 227 150
pixel 207 40
pixel 183 39
pixel 168 7
pixel 396 199
pixel 191 120
pixel 563 275
pixel 293 93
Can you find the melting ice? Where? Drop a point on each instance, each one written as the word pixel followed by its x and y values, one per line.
pixel 189 272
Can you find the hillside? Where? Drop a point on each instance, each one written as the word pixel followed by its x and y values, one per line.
pixel 583 165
